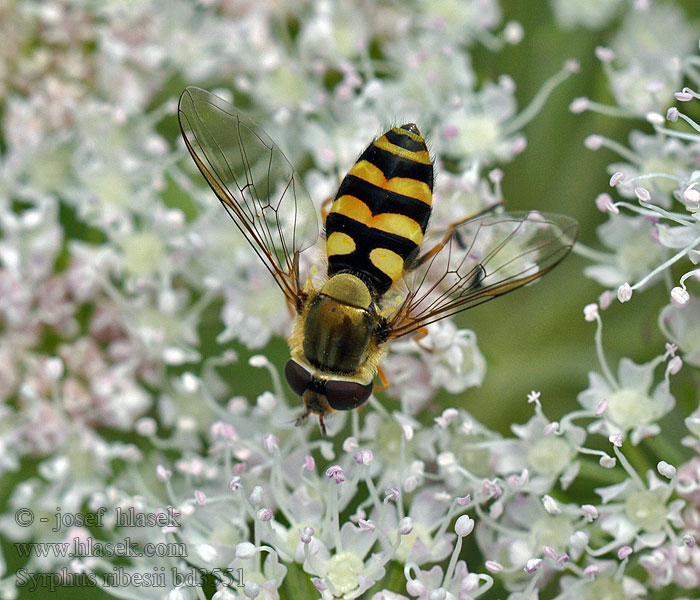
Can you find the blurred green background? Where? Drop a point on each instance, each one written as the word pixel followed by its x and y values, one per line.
pixel 537 338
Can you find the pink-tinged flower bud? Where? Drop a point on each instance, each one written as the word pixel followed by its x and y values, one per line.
pixel 264 514
pixel 493 567
pixel 235 484
pixel 416 589
pixel 444 419
pixel 672 114
pixel 642 194
pixel 601 407
pixel 366 525
pixel 589 511
pixel 591 571
pixel 464 500
pixel 519 144
pixel 490 489
pixel 405 526
pixel 464 526
pixel 364 457
pixel 593 142
pixel 572 65
pixel 392 494
pixel 590 312
pixel 450 132
pixel 306 535
pixel 616 439
pixel 624 552
pixel 604 203
pixel 689 540
pixel 624 292
pixel 674 365
pixel 680 296
pixel 245 550
pixel 336 472
pixel 359 514
pixel 579 105
pixel 551 428
pixel 691 197
pixel 200 497
pixel 606 299
pixel 604 54
pixel 617 178
pixel 221 430
pixel 532 565
pixel 350 444
pixel 495 176
pixel 319 584
pixel 309 463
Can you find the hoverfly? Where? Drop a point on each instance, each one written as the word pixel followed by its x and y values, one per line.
pixel 375 237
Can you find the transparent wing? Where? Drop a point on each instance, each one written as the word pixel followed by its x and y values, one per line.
pixel 479 260
pixel 255 182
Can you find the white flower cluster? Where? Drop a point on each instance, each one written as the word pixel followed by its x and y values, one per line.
pixel 122 285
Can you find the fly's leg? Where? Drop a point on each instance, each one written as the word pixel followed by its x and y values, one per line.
pixel 385 382
pixel 322 425
pixel 419 335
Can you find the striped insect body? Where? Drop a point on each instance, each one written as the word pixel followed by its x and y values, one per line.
pixel 377 241
pixel 381 212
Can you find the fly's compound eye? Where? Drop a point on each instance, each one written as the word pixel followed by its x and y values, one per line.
pixel 297 377
pixel 346 395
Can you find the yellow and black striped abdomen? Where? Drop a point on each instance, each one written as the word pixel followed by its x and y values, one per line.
pixel 382 208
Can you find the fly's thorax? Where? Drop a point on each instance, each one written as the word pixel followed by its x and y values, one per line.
pixel 339 325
